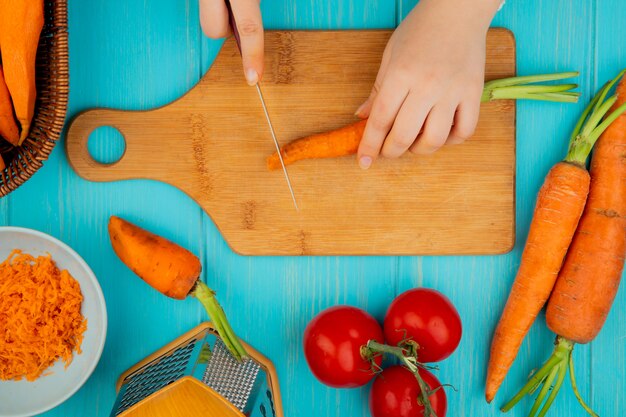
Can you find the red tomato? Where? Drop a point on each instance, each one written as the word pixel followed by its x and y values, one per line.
pixel 427 317
pixel 332 346
pixel 395 393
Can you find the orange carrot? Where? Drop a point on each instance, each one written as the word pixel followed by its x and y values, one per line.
pixel 345 140
pixel 163 265
pixel 589 278
pixel 8 127
pixel 559 205
pixel 172 270
pixel 558 210
pixel 341 142
pixel 21 22
pixel 2 164
pixel 593 268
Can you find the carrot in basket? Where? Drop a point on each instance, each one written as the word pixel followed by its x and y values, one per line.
pixel 559 206
pixel 589 279
pixel 345 140
pixel 8 127
pixel 21 22
pixel 170 269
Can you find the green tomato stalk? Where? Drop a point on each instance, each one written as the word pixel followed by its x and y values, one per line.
pixel 406 353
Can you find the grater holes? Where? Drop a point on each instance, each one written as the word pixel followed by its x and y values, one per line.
pixel 155 375
pixel 231 379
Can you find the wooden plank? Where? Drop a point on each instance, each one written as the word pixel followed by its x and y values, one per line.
pixel 216 150
pixel 479 286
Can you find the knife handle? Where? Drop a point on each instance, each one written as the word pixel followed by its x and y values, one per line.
pixel 233 24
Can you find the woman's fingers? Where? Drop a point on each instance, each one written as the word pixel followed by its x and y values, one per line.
pixel 384 110
pixel 465 120
pixel 406 127
pixel 436 129
pixel 214 18
pixel 250 27
pixel 365 109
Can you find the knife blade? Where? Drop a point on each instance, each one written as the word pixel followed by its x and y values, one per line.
pixel 233 25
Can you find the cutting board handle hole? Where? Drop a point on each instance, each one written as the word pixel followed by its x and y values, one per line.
pixel 106 145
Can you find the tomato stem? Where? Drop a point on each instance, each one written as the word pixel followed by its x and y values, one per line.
pixel 408 357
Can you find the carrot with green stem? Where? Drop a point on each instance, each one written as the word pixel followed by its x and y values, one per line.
pixel 172 270
pixel 558 209
pixel 589 279
pixel 345 140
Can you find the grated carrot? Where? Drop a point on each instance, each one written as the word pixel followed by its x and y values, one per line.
pixel 40 318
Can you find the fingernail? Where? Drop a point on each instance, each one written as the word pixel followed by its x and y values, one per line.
pixel 251 76
pixel 358 111
pixel 365 162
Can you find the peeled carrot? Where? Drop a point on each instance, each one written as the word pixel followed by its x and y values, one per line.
pixel 163 265
pixel 587 282
pixel 21 22
pixel 8 127
pixel 593 268
pixel 336 143
pixel 345 140
pixel 558 210
pixel 172 270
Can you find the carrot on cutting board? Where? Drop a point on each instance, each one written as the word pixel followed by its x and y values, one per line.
pixel 345 140
pixel 592 271
pixel 21 22
pixel 341 142
pixel 172 270
pixel 558 209
pixel 8 127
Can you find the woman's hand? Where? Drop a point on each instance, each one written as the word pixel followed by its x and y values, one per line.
pixel 430 80
pixel 215 24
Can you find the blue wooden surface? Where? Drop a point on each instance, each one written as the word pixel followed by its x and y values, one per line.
pixel 135 54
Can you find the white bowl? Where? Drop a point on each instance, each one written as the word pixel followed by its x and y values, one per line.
pixel 23 398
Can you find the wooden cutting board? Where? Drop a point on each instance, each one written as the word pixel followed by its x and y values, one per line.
pixel 212 144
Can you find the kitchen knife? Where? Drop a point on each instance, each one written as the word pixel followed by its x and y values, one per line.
pixel 233 25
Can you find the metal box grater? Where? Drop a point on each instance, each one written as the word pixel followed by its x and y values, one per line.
pixel 249 388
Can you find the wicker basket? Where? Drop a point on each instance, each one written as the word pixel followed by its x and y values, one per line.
pixel 52 92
